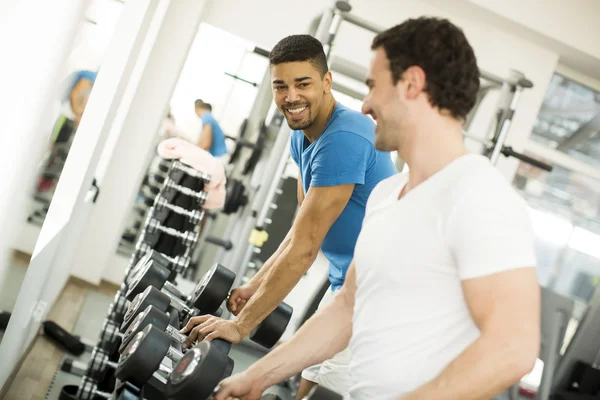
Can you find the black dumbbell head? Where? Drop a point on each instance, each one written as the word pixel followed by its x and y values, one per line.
pixel 151 274
pixel 197 374
pixel 142 357
pixel 213 289
pixel 269 331
pixel 150 296
pixel 150 316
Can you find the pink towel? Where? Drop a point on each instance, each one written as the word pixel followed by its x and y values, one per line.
pixel 201 160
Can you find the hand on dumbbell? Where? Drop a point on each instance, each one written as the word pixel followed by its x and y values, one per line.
pixel 209 327
pixel 240 386
pixel 239 297
pixel 267 333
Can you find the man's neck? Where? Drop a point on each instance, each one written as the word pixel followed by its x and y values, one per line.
pixel 313 132
pixel 435 144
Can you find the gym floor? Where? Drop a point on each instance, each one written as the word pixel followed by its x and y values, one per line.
pixel 38 368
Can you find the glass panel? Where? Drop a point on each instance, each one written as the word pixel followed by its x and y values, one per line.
pixel 565 212
pixel 569 120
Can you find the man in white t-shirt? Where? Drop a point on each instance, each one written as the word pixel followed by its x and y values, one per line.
pixel 442 300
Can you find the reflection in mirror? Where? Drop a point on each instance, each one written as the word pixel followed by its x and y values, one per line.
pixel 76 84
pixel 227 85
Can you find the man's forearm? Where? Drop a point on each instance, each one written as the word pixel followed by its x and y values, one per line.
pixel 485 369
pixel 285 273
pixel 325 334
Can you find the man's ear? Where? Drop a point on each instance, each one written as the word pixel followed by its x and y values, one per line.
pixel 327 82
pixel 416 80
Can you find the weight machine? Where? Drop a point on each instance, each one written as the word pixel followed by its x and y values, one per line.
pixel 252 223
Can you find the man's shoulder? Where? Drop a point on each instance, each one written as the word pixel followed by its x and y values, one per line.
pixel 350 121
pixel 480 183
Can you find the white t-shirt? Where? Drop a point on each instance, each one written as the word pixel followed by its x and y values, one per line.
pixel 410 317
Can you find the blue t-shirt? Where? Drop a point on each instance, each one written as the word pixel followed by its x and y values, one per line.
pixel 217 147
pixel 343 154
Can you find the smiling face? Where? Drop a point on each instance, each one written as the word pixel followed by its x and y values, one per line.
pixel 384 103
pixel 298 92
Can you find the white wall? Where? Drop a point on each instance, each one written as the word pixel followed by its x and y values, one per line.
pixel 497 50
pixel 571 22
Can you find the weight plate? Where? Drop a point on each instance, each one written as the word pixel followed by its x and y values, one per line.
pixel 150 316
pixel 269 331
pixel 197 374
pixel 142 357
pixel 213 289
pixel 150 296
pixel 152 274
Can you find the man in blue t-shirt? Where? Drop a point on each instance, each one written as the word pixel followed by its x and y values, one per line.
pixel 339 167
pixel 212 137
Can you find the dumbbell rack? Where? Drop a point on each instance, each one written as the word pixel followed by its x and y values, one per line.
pixel 171 228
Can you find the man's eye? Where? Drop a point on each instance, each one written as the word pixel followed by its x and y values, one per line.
pixel 278 88
pixel 304 84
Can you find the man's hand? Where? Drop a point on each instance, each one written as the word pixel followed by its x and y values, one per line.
pixel 239 386
pixel 239 297
pixel 209 327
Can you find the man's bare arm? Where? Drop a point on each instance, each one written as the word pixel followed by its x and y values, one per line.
pixel 506 309
pixel 325 334
pixel 320 209
pixel 300 190
pixel 205 140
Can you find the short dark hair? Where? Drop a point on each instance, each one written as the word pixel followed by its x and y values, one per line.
pixel 441 49
pixel 200 104
pixel 300 48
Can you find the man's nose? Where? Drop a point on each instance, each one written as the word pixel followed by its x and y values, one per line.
pixel 292 95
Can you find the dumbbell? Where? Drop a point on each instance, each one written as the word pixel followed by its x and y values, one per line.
pixel 170 184
pixel 109 335
pixel 151 274
pixel 268 332
pixel 160 320
pixel 88 390
pixel 118 308
pixel 198 373
pixel 207 296
pixel 145 352
pixel 178 165
pixel 153 225
pixel 177 264
pixel 96 368
pixel 194 216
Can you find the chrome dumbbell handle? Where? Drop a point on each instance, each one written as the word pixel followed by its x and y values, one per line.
pixel 195 216
pixel 187 237
pixel 170 184
pixel 175 335
pixel 190 171
pixel 179 263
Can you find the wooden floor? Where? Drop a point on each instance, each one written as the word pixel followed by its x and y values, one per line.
pixel 39 366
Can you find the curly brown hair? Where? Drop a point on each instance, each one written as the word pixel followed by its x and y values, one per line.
pixel 441 49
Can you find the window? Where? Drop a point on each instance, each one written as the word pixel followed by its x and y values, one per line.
pixel 569 120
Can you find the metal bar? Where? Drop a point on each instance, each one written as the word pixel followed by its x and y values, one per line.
pixel 261 52
pixel 499 143
pixel 348 68
pixel 338 87
pixel 332 33
pixel 362 23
